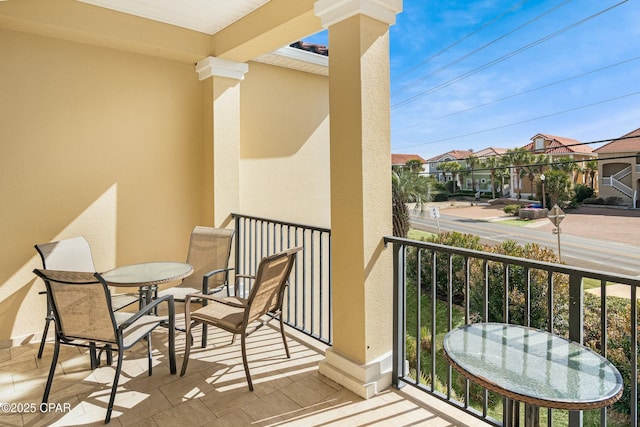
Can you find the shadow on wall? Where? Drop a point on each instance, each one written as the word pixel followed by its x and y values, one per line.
pixel 9 308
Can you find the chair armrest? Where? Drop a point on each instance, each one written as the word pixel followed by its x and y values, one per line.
pixel 214 299
pixel 147 308
pixel 206 276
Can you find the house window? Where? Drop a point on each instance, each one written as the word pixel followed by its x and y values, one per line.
pixel 539 144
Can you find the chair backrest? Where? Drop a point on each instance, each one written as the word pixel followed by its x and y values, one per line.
pixel 209 250
pixel 268 287
pixel 81 304
pixel 67 255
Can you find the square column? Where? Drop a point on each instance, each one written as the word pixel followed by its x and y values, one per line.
pixel 360 358
pixel 222 132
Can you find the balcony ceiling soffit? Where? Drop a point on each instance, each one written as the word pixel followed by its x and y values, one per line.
pixel 205 16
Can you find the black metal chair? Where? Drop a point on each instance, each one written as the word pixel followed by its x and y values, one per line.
pixel 243 316
pixel 73 254
pixel 84 317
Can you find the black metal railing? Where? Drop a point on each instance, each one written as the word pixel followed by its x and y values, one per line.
pixel 438 287
pixel 307 304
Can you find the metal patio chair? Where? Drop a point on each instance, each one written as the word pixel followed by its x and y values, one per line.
pixel 243 316
pixel 209 253
pixel 72 254
pixel 84 317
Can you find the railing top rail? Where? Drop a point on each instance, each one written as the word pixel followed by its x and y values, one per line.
pixel 553 267
pixel 275 221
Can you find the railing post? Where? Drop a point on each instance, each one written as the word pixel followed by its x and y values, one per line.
pixel 398 317
pixel 576 328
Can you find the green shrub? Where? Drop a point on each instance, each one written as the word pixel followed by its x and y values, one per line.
pixel 614 201
pixel 594 201
pixel 512 210
pixel 582 193
pixel 440 197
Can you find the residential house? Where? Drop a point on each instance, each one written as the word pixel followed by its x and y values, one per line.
pixel 619 168
pixel 433 164
pixel 482 176
pixel 402 159
pixel 556 148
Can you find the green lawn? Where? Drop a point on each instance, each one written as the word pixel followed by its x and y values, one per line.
pixel 419 235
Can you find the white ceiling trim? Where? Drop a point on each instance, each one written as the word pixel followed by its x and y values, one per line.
pixel 297 59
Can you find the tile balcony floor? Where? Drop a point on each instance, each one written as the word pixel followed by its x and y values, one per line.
pixel 214 392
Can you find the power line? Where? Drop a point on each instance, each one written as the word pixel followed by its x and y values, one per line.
pixel 524 121
pixel 483 26
pixel 519 93
pixel 503 58
pixel 462 58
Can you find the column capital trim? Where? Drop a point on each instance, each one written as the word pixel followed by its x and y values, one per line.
pixel 218 67
pixel 333 11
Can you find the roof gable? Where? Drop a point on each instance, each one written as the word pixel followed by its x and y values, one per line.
pixel 559 145
pixel 402 159
pixel 630 144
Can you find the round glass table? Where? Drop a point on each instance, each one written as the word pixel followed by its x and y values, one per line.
pixel 146 276
pixel 534 367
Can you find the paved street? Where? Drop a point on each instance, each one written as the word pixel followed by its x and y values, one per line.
pixel 598 238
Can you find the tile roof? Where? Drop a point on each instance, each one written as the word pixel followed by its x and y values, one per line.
pixel 456 154
pixel 311 47
pixel 402 159
pixel 631 144
pixel 560 145
pixel 490 152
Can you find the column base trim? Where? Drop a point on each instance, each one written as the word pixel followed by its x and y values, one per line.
pixel 364 380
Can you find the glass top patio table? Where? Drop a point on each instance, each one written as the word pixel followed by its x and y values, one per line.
pixel 533 366
pixel 147 274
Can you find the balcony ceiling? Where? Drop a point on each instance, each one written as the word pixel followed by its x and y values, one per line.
pixel 205 16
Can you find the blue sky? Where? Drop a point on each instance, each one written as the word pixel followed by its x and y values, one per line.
pixel 476 74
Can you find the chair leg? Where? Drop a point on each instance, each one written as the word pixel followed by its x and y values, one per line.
pixel 244 360
pixel 44 335
pixel 187 350
pixel 284 339
pixel 115 385
pixel 52 370
pixel 149 353
pixel 93 356
pixel 204 335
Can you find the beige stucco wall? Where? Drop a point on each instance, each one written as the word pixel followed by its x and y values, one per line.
pixel 284 149
pixel 95 142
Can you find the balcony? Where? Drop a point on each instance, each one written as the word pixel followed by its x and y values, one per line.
pixel 292 390
pixel 213 392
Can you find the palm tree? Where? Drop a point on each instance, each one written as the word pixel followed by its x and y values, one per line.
pixel 592 169
pixel 472 162
pixel 492 163
pixel 407 186
pixel 454 169
pixel 517 158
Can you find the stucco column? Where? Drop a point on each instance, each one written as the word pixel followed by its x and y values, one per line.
pixel 360 358
pixel 222 132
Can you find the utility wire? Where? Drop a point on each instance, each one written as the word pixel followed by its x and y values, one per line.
pixel 483 26
pixel 524 121
pixel 462 58
pixel 503 58
pixel 518 94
